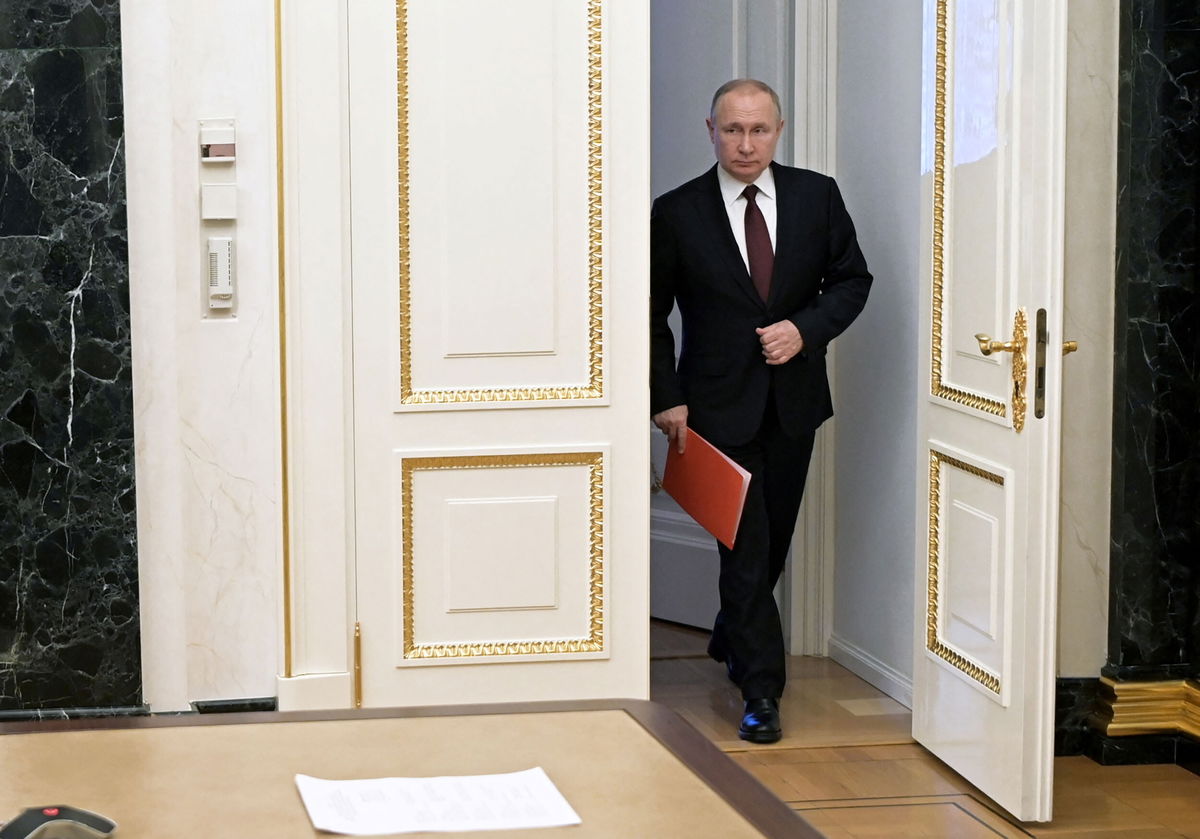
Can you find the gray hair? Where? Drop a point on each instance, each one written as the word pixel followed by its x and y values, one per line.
pixel 738 84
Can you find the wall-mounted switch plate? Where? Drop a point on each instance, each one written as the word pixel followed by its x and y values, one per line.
pixel 218 202
pixel 218 141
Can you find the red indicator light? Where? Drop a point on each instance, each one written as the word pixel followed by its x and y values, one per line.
pixel 50 811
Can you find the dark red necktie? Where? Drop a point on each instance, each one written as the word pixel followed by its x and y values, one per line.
pixel 758 245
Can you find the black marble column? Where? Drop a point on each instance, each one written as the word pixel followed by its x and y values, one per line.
pixel 1153 628
pixel 68 569
pixel 1154 622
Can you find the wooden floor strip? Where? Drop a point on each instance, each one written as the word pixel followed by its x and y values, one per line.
pixel 848 762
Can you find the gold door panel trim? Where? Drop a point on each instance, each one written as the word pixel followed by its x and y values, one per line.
pixel 933 640
pixel 594 642
pixel 937 350
pixel 594 387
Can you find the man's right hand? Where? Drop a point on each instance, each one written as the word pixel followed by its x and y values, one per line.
pixel 673 423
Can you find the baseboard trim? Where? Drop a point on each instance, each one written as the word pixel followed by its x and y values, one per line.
pixel 679 529
pixel 29 714
pixel 315 692
pixel 1132 708
pixel 871 670
pixel 235 706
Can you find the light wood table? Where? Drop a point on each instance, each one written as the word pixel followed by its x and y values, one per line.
pixel 629 768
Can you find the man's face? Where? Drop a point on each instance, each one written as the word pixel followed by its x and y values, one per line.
pixel 744 130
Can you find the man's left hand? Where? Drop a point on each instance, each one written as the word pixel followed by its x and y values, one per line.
pixel 781 342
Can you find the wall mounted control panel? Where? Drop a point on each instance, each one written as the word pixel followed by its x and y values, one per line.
pixel 220 272
pixel 218 214
pixel 218 141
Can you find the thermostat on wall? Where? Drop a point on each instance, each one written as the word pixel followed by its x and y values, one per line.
pixel 220 272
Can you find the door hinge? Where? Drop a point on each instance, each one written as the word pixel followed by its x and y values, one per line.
pixel 358 690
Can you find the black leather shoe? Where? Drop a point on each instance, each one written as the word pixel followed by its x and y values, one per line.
pixel 760 722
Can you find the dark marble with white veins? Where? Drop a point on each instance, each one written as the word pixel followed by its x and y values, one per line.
pixel 68 561
pixel 1154 622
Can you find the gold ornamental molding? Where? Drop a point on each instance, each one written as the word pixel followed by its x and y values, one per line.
pixel 933 634
pixel 281 280
pixel 1129 708
pixel 938 387
pixel 594 642
pixel 594 387
pixel 358 673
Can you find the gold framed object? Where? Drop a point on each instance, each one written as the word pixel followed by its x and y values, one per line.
pixel 594 642
pixel 933 640
pixel 593 388
pixel 937 385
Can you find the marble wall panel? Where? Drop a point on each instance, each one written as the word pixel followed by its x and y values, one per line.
pixel 68 572
pixel 1074 703
pixel 1154 626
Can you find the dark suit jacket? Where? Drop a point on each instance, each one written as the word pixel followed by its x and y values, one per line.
pixel 820 283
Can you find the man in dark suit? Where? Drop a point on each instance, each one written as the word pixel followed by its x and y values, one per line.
pixel 763 262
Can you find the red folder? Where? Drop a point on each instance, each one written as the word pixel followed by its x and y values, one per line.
pixel 708 485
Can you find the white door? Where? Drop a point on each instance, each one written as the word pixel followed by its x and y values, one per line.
pixel 493 207
pixel 983 680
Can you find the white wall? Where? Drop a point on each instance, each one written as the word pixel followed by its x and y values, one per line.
pixel 695 48
pixel 878 101
pixel 206 389
pixel 1090 230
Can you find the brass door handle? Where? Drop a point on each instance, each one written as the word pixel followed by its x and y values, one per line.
pixel 987 345
pixel 1018 346
pixel 1070 347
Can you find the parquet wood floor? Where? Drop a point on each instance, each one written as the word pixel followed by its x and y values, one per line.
pixel 847 760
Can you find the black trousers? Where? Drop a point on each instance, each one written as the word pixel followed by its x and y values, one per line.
pixel 747 634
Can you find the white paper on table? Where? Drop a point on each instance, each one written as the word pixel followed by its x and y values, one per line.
pixel 374 806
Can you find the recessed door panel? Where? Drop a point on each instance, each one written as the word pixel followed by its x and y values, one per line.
pixel 503 557
pixel 969 150
pixel 501 202
pixel 969 519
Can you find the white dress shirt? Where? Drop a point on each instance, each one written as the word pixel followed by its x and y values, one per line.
pixel 735 205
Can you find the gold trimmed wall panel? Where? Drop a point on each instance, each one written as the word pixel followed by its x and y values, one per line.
pixel 593 387
pixel 594 642
pixel 933 637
